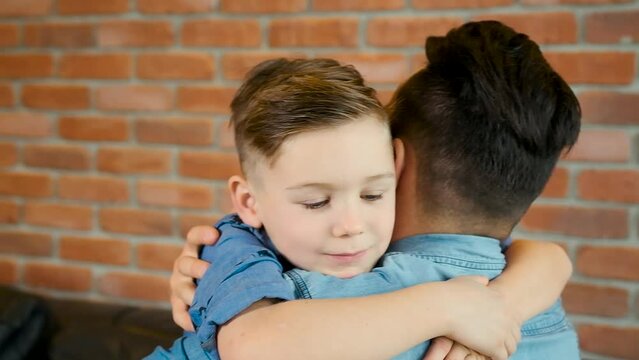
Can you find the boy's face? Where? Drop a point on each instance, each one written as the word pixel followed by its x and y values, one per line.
pixel 328 201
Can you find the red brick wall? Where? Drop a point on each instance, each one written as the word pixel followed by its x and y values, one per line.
pixel 113 139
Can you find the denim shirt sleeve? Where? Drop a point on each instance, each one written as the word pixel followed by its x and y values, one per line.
pixel 245 269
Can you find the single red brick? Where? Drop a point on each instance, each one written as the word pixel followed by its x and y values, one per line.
pixel 167 194
pixel 59 215
pixel 94 128
pixel 105 251
pixel 316 32
pixel 25 7
pixel 448 4
pixel 601 146
pixel 157 256
pixel 262 7
pixel 65 35
pixel 408 31
pixel 595 300
pixel 25 65
pixel 9 212
pixel 191 66
pixel 620 342
pixel 83 7
pixel 577 221
pixel 133 221
pixel 100 189
pixel 543 28
pixel 607 107
pixel 612 27
pixel 135 286
pixel 24 124
pixel 209 165
pixel 6 96
pixel 134 97
pixel 377 68
pixel 25 243
pixel 8 35
pixel 182 131
pixel 8 272
pixel 174 7
pixel 205 99
pixel 236 65
pixel 221 33
pixel 95 66
pixel 9 154
pixel 59 277
pixel 56 97
pixel 585 67
pixel 134 160
pixel 187 221
pixel 557 186
pixel 135 33
pixel 356 5
pixel 70 157
pixel 25 184
pixel 609 262
pixel 609 185
pixel 576 2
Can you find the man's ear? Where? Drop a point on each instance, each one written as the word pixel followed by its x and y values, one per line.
pixel 398 148
pixel 244 201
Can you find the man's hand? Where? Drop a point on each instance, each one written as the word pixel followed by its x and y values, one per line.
pixel 480 318
pixel 443 348
pixel 186 268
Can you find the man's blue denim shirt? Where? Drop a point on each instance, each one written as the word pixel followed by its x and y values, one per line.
pixel 246 269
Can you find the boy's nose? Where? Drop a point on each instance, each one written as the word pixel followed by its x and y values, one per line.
pixel 348 223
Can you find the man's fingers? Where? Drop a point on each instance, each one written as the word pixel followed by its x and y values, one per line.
pixel 439 348
pixel 201 235
pixel 180 314
pixel 191 267
pixel 185 292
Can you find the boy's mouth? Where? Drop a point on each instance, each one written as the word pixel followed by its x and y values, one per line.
pixel 348 257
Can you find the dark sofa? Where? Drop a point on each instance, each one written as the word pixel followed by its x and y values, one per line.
pixel 33 327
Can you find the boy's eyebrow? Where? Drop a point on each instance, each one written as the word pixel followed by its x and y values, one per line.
pixel 329 186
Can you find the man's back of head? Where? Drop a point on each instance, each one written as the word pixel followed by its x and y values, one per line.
pixel 487 119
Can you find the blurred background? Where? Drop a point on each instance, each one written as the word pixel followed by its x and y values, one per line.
pixel 113 136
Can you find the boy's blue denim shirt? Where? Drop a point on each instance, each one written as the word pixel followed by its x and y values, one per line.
pixel 246 269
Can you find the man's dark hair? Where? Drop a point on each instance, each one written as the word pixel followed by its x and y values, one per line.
pixel 487 118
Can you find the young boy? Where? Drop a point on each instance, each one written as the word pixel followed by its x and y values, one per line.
pixel 350 221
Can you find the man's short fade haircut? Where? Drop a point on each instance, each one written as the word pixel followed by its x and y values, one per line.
pixel 281 98
pixel 488 118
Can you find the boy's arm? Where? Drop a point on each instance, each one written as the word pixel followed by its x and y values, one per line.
pixel 535 275
pixel 373 327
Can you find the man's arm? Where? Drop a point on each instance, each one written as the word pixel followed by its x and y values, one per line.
pixel 535 275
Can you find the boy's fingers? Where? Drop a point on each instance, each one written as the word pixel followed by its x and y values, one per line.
pixel 191 267
pixel 180 314
pixel 439 348
pixel 457 352
pixel 201 235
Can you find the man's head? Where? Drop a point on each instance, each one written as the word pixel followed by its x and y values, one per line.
pixel 486 120
pixel 315 147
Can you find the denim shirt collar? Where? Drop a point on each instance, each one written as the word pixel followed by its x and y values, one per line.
pixel 443 244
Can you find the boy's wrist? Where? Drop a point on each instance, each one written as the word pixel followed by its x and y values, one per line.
pixel 513 305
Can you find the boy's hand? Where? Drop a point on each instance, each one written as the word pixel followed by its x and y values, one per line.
pixel 186 268
pixel 480 319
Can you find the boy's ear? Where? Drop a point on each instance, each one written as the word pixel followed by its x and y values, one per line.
pixel 398 147
pixel 244 201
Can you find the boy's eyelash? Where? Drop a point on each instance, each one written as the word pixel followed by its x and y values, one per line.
pixel 372 197
pixel 316 205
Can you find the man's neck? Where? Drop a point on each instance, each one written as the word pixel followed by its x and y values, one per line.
pixel 406 226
